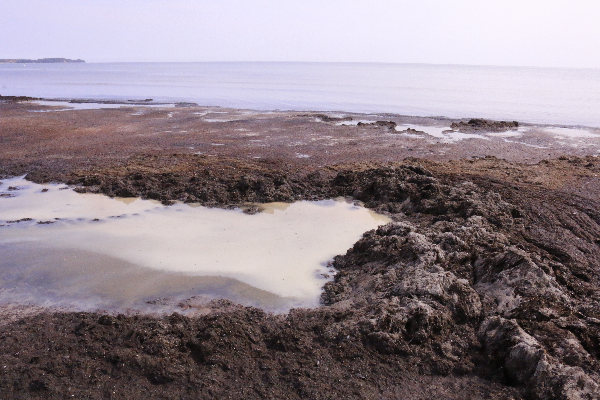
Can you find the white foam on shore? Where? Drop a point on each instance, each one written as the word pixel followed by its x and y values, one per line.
pixel 527 144
pixel 512 133
pixel 283 252
pixel 455 136
pixel 571 133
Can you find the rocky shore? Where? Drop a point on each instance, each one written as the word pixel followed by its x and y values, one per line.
pixel 486 285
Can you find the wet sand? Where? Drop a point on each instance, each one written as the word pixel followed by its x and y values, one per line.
pixel 487 285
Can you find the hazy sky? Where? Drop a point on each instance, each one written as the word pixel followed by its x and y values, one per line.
pixel 490 32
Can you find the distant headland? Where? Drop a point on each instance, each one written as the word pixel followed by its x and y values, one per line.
pixel 40 61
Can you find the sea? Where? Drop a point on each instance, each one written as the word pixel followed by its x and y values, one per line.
pixel 555 96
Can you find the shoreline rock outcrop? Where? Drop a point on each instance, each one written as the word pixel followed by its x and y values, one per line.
pixel 484 125
pixel 467 284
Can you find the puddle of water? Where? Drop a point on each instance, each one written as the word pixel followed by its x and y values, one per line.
pixel 445 133
pixel 49 202
pixel 87 281
pixel 434 131
pixel 94 251
pixel 67 106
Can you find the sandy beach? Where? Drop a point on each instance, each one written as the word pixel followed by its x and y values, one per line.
pixel 485 285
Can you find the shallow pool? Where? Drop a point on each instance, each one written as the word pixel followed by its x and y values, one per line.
pixel 89 251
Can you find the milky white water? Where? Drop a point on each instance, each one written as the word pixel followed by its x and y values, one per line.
pixel 112 252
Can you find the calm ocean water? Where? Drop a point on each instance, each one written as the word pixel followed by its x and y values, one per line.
pixel 538 95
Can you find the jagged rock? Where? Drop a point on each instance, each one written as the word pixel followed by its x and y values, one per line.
pixel 327 118
pixel 525 361
pixel 411 131
pixel 384 124
pixel 484 125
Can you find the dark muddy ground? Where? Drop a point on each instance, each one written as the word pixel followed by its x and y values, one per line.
pixel 487 285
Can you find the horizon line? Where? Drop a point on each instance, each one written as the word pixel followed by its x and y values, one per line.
pixel 317 62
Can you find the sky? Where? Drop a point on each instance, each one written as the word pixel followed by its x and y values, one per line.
pixel 544 33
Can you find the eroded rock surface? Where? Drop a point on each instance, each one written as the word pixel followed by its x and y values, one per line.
pixel 477 271
pixel 484 125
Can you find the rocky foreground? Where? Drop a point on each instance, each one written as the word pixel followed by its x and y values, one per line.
pixel 486 285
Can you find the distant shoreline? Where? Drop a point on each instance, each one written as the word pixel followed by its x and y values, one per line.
pixel 39 61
